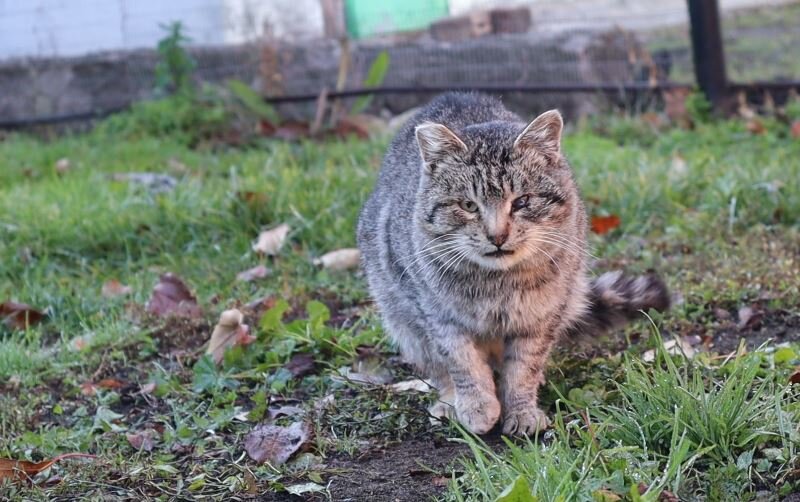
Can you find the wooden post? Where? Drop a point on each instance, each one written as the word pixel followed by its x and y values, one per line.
pixel 707 51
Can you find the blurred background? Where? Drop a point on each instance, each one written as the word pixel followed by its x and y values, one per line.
pixel 70 60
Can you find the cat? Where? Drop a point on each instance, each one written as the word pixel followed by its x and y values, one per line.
pixel 474 247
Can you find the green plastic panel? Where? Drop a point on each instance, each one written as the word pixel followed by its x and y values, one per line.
pixel 366 18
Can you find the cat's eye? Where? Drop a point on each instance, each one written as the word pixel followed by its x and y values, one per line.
pixel 468 206
pixel 520 202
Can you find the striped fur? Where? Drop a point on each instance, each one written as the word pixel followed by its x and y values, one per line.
pixel 474 246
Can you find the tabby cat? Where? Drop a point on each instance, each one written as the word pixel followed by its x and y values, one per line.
pixel 474 246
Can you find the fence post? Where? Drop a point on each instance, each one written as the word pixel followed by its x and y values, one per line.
pixel 707 51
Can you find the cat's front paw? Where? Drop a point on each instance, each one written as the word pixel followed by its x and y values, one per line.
pixel 527 421
pixel 478 413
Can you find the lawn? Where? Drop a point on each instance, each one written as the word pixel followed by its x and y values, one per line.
pixel 714 210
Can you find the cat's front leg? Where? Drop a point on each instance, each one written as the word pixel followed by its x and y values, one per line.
pixel 476 404
pixel 524 362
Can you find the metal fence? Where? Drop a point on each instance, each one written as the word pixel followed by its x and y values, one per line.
pixel 64 61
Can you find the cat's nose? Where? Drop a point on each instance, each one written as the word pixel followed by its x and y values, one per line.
pixel 498 239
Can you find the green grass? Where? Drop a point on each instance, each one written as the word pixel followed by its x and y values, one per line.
pixel 715 210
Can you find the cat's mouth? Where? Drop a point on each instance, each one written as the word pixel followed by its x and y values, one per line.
pixel 499 253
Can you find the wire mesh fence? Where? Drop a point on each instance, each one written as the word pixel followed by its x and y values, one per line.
pixel 85 57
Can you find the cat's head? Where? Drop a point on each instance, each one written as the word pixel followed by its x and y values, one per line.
pixel 496 193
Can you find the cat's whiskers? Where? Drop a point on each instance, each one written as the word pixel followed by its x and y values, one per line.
pixel 581 246
pixel 432 254
pixel 536 248
pixel 444 266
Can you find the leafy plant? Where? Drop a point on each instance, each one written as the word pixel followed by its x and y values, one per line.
pixel 699 107
pixel 375 76
pixel 253 102
pixel 175 65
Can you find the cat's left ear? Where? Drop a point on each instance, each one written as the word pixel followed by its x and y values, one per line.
pixel 543 134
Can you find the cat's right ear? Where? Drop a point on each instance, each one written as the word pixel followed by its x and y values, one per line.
pixel 437 143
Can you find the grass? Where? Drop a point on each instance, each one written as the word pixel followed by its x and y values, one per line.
pixel 714 210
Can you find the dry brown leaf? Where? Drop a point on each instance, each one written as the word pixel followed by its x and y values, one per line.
pixel 795 376
pixel 270 241
pixel 251 274
pixel 142 441
pixel 19 315
pixel 341 259
pixel 604 224
pixel 22 470
pixel 300 365
pixel 171 297
pixel 113 288
pixel 755 126
pixel 228 332
pixel 749 318
pixel 275 444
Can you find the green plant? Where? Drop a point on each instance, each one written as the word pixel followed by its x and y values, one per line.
pixel 175 64
pixel 253 102
pixel 375 76
pixel 699 107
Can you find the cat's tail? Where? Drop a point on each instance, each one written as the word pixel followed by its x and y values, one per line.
pixel 616 298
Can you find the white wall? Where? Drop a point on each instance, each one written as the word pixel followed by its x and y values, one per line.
pixel 76 27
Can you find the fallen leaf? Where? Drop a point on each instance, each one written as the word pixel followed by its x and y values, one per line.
pixel 341 259
pixel 749 318
pixel 270 241
pixel 285 411
pixel 251 274
pixel 795 376
pixel 440 481
pixel 361 125
pixel 305 488
pixel 722 314
pixel 63 165
pixel 19 315
pixel 414 385
pixel 672 347
pixel 253 198
pixel 275 444
pixel 147 388
pixel 675 107
pixel 113 288
pixel 171 297
pixel 142 441
pixel 88 389
pixel 668 496
pixel 110 383
pixel 22 470
pixel 287 130
pixel 795 130
pixel 300 365
pixel 755 126
pixel 604 224
pixel 228 332
pixel 154 182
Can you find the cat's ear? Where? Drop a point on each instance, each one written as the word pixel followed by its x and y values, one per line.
pixel 543 134
pixel 436 143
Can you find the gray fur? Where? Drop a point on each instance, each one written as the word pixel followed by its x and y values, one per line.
pixel 444 199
